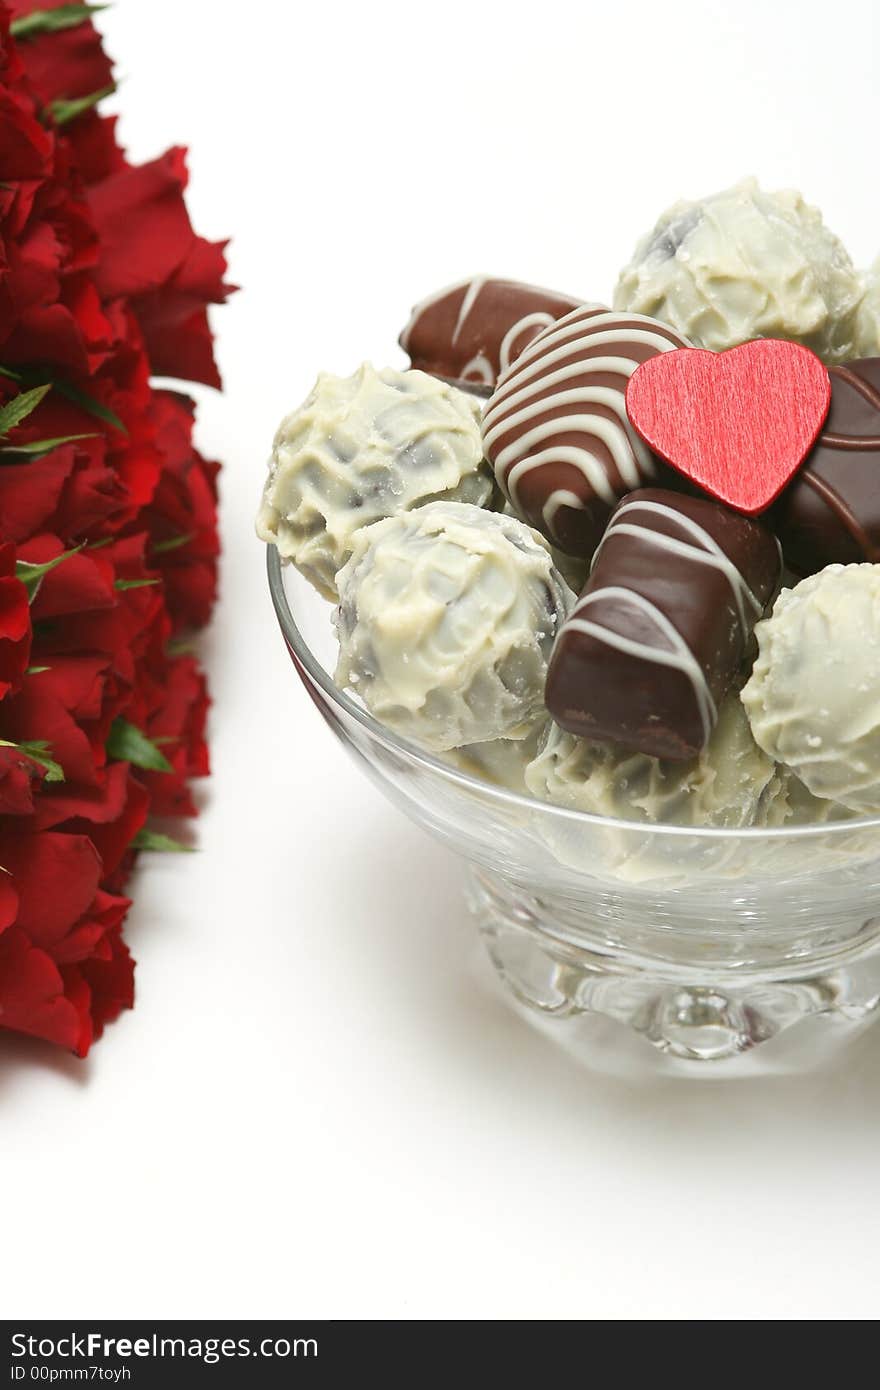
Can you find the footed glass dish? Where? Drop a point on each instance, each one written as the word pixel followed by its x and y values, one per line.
pixel 708 944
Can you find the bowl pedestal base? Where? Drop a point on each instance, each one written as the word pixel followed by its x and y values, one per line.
pixel 689 1009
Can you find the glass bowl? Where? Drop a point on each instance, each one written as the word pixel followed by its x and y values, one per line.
pixel 707 943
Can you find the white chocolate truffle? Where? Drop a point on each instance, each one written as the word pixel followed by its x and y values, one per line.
pixel 446 619
pixel 746 264
pixel 813 698
pixel 361 448
pixel 574 570
pixel 499 761
pixel 868 327
pixel 731 784
pixel 798 806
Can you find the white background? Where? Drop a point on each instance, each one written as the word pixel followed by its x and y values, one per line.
pixel 321 1105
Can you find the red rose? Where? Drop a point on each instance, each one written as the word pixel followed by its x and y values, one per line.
pixel 26 145
pixel 32 997
pixel 179 722
pixel 113 604
pixel 182 515
pixel 111 813
pixel 8 909
pixel 104 649
pixel 15 624
pixel 103 283
pixel 82 581
pixel 67 1004
pixel 53 309
pixel 75 696
pixel 64 63
pixel 64 926
pixel 151 256
pixel 31 492
pixel 97 150
pixel 31 717
pixel 73 491
pixel 56 878
pixel 103 981
pixel 27 148
pixel 19 775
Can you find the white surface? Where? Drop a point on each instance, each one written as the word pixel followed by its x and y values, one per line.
pixel 320 1105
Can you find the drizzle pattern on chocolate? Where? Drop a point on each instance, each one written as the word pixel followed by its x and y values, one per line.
pixel 471 331
pixel 831 511
pixel 845 515
pixel 658 634
pixel 693 543
pixel 479 369
pixel 467 304
pixel 868 393
pixel 671 650
pixel 507 352
pixel 556 428
pixel 859 384
pixel 696 545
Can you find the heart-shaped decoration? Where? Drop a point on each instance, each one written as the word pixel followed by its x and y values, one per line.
pixel 738 423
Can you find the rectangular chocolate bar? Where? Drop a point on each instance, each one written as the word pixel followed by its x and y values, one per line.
pixel 662 626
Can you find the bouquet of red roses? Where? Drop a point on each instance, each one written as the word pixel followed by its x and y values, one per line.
pixel 108 537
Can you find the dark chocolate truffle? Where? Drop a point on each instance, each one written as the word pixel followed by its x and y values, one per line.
pixel 831 512
pixel 659 632
pixel 556 429
pixel 471 332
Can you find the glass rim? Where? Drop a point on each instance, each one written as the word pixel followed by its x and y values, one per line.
pixel 304 654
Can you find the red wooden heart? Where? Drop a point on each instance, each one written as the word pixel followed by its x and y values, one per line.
pixel 737 423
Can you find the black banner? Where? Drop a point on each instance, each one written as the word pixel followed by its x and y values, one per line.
pixel 143 1354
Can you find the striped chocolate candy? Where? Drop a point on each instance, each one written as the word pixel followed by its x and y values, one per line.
pixel 469 332
pixel 660 631
pixel 556 428
pixel 830 513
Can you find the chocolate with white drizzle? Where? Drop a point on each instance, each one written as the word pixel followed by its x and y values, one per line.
pixel 662 626
pixel 470 332
pixel 830 514
pixel 556 429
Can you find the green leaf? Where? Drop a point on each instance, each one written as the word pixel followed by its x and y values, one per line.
pixel 63 111
pixel 52 21
pixel 151 839
pixel 73 393
pixel 134 583
pixel 37 670
pixel 130 745
pixel 180 646
pixel 20 407
pixel 172 543
pixel 31 576
pixel 38 752
pixel 38 447
pixel 93 407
